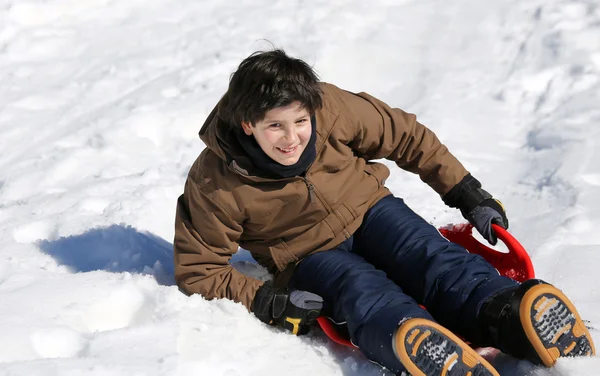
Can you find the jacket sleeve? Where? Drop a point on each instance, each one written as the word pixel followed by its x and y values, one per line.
pixel 379 131
pixel 205 239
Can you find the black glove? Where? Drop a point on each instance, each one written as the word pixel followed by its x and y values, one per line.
pixel 295 310
pixel 477 206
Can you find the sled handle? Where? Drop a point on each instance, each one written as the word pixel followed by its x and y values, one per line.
pixel 514 246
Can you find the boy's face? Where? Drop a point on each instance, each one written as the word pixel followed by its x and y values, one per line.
pixel 283 134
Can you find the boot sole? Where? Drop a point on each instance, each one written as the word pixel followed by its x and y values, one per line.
pixel 426 348
pixel 553 326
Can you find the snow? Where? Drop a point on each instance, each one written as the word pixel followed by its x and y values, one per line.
pixel 101 102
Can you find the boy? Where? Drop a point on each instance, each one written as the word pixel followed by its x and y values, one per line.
pixel 287 175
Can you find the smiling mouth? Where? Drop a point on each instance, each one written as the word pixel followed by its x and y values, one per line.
pixel 288 151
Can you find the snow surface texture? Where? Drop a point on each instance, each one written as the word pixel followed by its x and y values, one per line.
pixel 100 104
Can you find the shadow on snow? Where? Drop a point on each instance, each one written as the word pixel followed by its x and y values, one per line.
pixel 122 248
pixel 117 249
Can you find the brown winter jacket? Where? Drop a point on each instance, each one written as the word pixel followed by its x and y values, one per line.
pixel 282 221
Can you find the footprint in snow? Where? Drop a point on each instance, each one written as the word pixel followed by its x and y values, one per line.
pixel 127 306
pixel 59 342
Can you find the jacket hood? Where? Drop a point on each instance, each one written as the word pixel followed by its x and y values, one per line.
pixel 213 129
pixel 220 138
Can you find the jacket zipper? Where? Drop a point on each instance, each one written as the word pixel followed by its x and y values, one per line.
pixel 311 192
pixel 314 194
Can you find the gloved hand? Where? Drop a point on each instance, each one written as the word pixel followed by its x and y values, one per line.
pixel 295 310
pixel 477 206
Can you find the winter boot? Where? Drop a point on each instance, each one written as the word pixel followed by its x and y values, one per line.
pixel 535 321
pixel 426 348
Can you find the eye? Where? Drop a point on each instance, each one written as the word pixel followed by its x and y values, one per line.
pixel 274 125
pixel 302 121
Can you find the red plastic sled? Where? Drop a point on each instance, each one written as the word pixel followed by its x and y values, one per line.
pixel 515 264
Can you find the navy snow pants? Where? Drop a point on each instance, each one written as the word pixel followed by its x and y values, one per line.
pixel 394 262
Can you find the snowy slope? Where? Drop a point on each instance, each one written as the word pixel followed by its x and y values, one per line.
pixel 100 104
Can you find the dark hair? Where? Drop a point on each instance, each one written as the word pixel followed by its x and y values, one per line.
pixel 266 80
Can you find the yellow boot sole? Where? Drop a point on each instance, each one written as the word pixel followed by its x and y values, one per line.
pixel 426 348
pixel 553 326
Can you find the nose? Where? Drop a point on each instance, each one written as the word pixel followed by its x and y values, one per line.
pixel 290 135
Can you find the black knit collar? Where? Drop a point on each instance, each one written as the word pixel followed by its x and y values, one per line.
pixel 266 165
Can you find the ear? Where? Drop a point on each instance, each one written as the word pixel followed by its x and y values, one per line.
pixel 247 128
